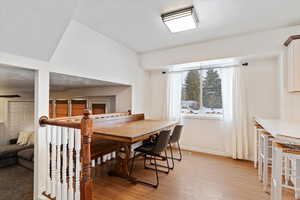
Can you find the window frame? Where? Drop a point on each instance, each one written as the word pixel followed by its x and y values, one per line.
pixel 204 116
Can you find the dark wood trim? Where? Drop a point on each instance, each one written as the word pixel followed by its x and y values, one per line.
pixel 86 182
pixel 44 120
pixel 290 39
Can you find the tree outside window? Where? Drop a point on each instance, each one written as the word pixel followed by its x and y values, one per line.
pixel 202 92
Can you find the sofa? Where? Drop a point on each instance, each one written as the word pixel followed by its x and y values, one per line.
pixel 13 153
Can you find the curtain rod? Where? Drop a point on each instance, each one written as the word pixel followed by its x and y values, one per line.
pixel 206 68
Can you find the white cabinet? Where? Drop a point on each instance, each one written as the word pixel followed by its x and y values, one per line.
pixel 293 65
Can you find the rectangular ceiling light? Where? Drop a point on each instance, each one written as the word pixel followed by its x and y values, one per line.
pixel 181 20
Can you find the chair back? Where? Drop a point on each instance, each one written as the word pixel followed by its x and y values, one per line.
pixel 162 141
pixel 175 137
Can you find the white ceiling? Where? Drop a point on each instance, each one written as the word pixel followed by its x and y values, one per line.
pixel 61 82
pixel 33 28
pixel 23 79
pixel 137 23
pixel 16 78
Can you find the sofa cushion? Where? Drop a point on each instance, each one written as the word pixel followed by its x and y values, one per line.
pixel 26 154
pixel 7 151
pixel 8 162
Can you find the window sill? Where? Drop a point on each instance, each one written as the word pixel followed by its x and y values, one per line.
pixel 202 116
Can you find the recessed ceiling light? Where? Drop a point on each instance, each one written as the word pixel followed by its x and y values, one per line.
pixel 181 20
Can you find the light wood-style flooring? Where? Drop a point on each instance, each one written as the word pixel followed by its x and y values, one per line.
pixel 198 177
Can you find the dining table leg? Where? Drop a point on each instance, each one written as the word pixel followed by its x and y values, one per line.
pixel 121 168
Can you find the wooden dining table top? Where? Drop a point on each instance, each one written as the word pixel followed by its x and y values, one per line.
pixel 131 131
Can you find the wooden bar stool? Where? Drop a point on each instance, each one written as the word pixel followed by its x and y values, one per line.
pixel 284 174
pixel 264 157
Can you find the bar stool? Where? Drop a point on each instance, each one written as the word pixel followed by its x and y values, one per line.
pixel 258 129
pixel 265 157
pixel 285 175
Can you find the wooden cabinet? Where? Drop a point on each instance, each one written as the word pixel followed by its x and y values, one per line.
pixel 66 107
pixel 61 108
pixel 98 108
pixel 293 63
pixel 51 104
pixel 78 107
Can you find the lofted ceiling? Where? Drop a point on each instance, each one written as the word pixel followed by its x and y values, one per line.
pixel 33 28
pixel 137 23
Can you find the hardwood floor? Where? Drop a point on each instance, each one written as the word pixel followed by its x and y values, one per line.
pixel 197 177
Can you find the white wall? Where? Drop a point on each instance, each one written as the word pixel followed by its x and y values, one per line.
pixel 255 44
pixel 207 135
pixel 4 120
pixel 87 53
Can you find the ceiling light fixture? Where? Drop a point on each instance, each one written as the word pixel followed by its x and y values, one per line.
pixel 181 20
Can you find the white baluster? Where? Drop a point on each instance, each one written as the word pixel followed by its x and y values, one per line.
pixel 48 138
pixel 109 156
pixel 64 187
pixel 78 166
pixel 71 167
pixel 58 164
pixel 103 159
pixel 53 161
pixel 99 161
pixel 113 154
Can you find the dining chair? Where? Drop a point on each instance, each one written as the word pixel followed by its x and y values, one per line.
pixel 174 139
pixel 154 150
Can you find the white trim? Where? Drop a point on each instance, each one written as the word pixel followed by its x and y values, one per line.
pixel 197 149
pixel 202 116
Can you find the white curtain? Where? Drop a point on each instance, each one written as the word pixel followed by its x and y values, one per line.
pixel 235 112
pixel 172 109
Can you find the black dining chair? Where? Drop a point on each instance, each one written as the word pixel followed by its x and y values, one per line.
pixel 175 137
pixel 154 150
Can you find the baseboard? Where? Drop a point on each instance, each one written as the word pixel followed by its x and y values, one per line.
pixel 197 149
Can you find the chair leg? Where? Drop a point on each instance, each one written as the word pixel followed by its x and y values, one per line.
pixel 179 152
pixel 156 174
pixel 172 156
pixel 168 166
pixel 163 171
pixel 165 159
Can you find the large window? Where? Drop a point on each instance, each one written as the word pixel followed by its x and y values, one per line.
pixel 202 93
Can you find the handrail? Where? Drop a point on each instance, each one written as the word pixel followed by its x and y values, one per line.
pixel 44 120
pixel 75 121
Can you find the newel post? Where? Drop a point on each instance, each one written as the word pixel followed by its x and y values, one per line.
pixel 86 183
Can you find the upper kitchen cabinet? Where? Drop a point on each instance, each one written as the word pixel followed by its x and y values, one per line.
pixel 293 63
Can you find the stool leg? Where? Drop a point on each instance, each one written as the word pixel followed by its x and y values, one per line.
pixel 265 163
pixel 276 189
pixel 297 179
pixel 259 158
pixel 256 149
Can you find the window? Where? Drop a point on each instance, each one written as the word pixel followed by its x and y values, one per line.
pixel 202 93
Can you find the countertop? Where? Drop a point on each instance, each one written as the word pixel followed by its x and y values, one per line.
pixel 279 127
